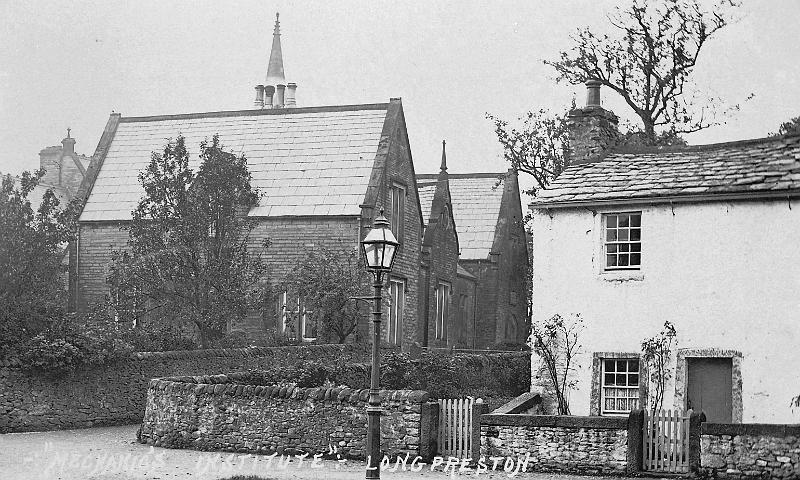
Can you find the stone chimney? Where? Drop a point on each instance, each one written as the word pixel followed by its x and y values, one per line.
pixel 259 103
pixel 592 129
pixel 277 102
pixel 291 91
pixel 269 94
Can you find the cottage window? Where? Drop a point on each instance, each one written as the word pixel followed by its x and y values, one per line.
pixel 442 310
pixel 619 385
pixel 397 300
pixel 295 320
pixel 397 216
pixel 623 240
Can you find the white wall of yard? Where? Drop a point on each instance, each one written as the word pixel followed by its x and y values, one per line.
pixel 726 274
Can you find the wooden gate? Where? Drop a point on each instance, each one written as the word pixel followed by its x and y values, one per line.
pixel 666 441
pixel 457 421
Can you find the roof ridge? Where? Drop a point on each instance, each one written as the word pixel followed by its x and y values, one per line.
pixel 429 176
pixel 254 112
pixel 696 148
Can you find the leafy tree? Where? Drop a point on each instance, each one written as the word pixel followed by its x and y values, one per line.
pixel 326 281
pixel 649 59
pixel 788 128
pixel 32 246
pixel 656 353
pixel 538 146
pixel 557 342
pixel 188 258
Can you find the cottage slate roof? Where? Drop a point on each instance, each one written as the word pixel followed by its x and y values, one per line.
pixel 476 201
pixel 306 161
pixel 750 167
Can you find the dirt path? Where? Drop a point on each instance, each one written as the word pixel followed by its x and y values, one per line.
pixel 113 453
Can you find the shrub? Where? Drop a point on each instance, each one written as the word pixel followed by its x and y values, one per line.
pixel 74 341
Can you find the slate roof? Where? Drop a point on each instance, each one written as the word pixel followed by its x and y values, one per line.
pixel 426 191
pixel 306 161
pixel 706 172
pixel 476 201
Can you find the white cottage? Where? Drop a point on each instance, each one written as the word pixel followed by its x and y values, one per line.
pixel 705 237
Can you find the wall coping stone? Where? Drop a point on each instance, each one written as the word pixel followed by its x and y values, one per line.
pixel 521 403
pixel 219 384
pixel 755 429
pixel 516 420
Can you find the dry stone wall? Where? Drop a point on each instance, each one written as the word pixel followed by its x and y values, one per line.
pixel 585 445
pixel 216 413
pixel 115 394
pixel 750 451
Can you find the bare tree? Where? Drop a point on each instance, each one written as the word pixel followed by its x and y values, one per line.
pixel 557 341
pixel 649 59
pixel 537 146
pixel 657 352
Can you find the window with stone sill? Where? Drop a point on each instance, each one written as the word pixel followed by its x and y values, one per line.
pixel 397 213
pixel 295 321
pixel 619 385
pixel 397 301
pixel 622 241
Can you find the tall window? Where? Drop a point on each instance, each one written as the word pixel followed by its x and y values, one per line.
pixel 442 310
pixel 397 217
pixel 620 385
pixel 295 321
pixel 397 299
pixel 623 240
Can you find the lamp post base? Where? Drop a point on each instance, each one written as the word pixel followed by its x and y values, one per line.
pixel 373 442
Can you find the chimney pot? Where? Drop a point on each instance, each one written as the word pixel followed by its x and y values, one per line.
pixel 259 103
pixel 279 95
pixel 291 91
pixel 269 95
pixel 593 93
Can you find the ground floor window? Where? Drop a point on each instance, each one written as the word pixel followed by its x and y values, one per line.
pixel 295 320
pixel 442 310
pixel 619 387
pixel 397 300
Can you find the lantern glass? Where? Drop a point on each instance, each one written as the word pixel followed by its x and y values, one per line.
pixel 380 246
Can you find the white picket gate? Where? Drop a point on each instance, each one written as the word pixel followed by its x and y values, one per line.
pixel 456 423
pixel 666 441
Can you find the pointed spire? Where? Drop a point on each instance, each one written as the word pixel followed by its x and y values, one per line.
pixel 275 75
pixel 443 168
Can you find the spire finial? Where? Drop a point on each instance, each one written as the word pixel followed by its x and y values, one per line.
pixel 444 157
pixel 68 130
pixel 275 75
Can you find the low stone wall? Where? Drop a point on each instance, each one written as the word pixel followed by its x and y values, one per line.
pixel 750 450
pixel 217 413
pixel 565 444
pixel 115 394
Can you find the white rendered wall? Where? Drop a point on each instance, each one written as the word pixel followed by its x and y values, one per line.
pixel 727 275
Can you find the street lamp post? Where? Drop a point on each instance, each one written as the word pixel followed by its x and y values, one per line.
pixel 379 247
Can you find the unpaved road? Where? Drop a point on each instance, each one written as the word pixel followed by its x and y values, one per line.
pixel 113 453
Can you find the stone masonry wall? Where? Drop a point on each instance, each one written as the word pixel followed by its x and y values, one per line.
pixel 585 445
pixel 116 394
pixel 213 413
pixel 750 451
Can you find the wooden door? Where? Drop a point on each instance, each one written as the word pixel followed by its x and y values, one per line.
pixel 710 388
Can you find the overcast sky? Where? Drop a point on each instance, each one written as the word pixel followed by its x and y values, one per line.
pixel 72 63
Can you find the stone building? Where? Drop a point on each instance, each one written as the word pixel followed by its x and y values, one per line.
pixel 493 257
pixel 439 310
pixel 704 237
pixel 325 173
